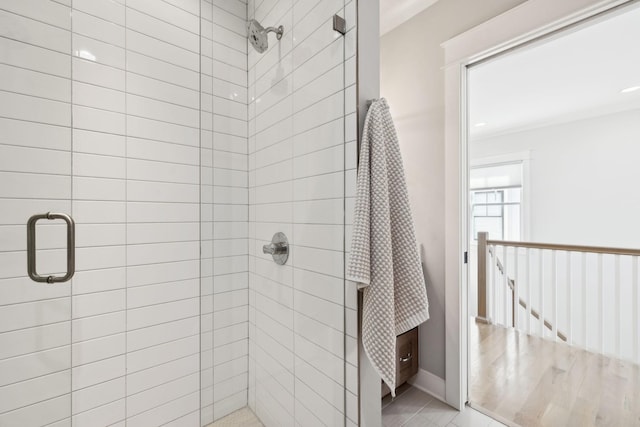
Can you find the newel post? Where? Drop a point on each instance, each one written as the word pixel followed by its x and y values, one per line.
pixel 482 275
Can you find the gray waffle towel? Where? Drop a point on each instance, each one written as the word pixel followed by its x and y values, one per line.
pixel 384 254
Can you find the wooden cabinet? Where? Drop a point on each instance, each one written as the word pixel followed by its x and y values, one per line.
pixel 406 358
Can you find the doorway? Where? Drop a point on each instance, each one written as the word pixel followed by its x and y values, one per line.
pixel 549 307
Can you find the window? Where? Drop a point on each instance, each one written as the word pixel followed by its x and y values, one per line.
pixel 488 213
pixel 496 198
pixel 496 211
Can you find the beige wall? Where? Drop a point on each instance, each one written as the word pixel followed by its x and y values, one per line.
pixel 412 80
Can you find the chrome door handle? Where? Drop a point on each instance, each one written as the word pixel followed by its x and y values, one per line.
pixel 31 248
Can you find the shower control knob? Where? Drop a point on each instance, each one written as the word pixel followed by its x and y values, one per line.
pixel 278 248
pixel 275 249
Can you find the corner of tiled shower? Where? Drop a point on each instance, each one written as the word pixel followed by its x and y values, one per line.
pixel 224 204
pixel 298 148
pixel 302 159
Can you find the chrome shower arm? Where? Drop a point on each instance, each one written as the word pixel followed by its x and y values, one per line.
pixel 279 31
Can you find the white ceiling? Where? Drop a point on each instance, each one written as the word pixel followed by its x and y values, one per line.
pixel 576 75
pixel 396 12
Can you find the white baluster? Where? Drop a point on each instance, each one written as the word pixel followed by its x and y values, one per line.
pixel 516 290
pixel 494 285
pixel 505 287
pixel 583 280
pixel 554 296
pixel 569 301
pixel 617 305
pixel 541 290
pixel 600 306
pixel 490 267
pixel 635 305
pixel 529 283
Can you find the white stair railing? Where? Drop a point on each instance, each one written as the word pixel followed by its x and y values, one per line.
pixel 586 296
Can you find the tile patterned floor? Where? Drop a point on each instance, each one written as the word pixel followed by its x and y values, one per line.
pixel 414 408
pixel 241 418
pixel 411 408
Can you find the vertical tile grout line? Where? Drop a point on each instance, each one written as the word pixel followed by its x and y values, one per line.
pixel 251 386
pixel 213 201
pixel 246 10
pixel 126 220
pixel 71 287
pixel 250 233
pixel 200 188
pixel 344 227
pixel 292 238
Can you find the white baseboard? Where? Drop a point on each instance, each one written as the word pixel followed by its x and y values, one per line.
pixel 429 383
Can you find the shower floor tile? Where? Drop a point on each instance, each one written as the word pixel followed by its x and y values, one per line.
pixel 241 418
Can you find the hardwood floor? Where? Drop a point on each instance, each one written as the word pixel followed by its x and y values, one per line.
pixel 534 382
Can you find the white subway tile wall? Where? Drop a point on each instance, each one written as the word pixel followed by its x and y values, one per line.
pixel 179 151
pixel 163 212
pixel 127 115
pixel 35 177
pixel 302 132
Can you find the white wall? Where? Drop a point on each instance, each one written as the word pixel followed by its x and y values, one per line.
pixel 101 118
pixel 412 80
pixel 302 131
pixel 582 176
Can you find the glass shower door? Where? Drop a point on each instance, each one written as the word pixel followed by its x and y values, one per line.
pixel 35 178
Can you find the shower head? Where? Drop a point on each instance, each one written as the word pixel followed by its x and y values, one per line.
pixel 258 35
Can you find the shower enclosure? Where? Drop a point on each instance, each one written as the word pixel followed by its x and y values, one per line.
pixel 158 152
